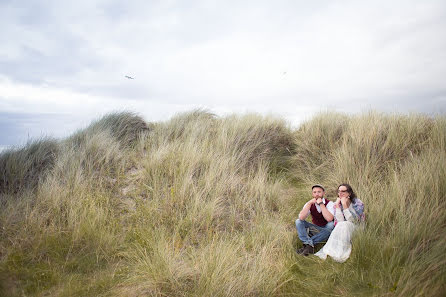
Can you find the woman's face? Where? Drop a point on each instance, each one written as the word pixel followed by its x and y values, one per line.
pixel 342 192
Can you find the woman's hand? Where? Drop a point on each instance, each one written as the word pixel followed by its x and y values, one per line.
pixel 338 202
pixel 345 202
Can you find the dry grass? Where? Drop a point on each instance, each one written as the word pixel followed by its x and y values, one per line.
pixel 204 206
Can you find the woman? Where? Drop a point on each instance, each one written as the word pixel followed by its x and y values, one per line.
pixel 348 213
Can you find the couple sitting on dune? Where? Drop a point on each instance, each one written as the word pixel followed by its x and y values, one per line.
pixel 333 221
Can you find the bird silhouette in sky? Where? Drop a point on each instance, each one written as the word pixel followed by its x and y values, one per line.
pixel 129 77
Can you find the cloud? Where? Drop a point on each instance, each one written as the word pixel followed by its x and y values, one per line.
pixel 289 57
pixel 18 128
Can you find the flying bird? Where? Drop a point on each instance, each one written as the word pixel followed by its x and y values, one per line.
pixel 129 77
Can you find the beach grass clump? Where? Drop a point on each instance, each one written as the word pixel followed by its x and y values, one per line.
pixel 194 192
pixel 66 223
pixel 315 141
pixel 396 165
pixel 124 127
pixel 23 168
pixel 201 205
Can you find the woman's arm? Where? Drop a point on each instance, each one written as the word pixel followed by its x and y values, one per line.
pixel 350 214
pixel 339 216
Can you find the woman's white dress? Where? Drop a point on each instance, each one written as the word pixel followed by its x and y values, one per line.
pixel 339 244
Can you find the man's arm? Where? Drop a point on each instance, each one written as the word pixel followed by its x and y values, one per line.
pixel 327 215
pixel 306 210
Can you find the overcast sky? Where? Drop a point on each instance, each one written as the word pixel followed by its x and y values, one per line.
pixel 63 63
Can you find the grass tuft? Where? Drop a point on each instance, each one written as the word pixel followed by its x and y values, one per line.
pixel 202 205
pixel 22 169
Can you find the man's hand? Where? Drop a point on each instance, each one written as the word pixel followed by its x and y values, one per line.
pixel 312 201
pixel 319 200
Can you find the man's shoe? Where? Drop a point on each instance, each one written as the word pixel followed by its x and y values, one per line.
pixel 301 250
pixel 308 249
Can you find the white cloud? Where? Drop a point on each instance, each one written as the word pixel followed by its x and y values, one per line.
pixel 289 57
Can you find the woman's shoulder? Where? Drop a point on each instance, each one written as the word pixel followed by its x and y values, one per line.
pixel 358 201
pixel 358 206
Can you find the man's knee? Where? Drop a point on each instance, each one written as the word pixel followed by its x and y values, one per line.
pixel 330 225
pixel 299 222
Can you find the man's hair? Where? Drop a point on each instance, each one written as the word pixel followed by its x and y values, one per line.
pixel 349 190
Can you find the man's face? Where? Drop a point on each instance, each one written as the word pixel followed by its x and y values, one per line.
pixel 318 192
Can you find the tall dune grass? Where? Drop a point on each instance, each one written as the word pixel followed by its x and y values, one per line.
pixel 21 169
pixel 204 206
pixel 396 165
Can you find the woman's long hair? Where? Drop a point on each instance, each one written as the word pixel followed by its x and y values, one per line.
pixel 349 190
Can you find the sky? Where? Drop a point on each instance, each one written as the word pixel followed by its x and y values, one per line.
pixel 63 64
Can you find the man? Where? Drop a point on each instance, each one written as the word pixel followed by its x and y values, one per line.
pixel 322 211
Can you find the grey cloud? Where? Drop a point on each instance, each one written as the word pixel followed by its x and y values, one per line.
pixel 37 67
pixel 10 131
pixel 385 55
pixel 18 128
pixel 48 49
